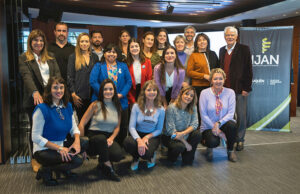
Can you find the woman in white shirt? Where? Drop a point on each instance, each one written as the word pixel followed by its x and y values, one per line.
pixel 53 120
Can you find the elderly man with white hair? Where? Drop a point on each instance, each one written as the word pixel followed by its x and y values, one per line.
pixel 235 60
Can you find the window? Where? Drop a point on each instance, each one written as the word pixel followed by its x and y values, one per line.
pixel 74 33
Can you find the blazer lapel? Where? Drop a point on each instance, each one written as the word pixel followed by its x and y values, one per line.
pixel 36 70
pixel 143 73
pixel 175 79
pixel 132 76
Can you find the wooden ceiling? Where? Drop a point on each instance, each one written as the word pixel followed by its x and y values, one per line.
pixel 191 11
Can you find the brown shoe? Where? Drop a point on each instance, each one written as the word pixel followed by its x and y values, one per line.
pixel 35 165
pixel 239 146
pixel 232 156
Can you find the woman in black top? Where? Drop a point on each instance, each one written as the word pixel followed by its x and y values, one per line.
pixel 80 65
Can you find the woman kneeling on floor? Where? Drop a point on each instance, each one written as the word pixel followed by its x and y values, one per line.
pixel 105 126
pixel 52 121
pixel 146 123
pixel 217 107
pixel 180 134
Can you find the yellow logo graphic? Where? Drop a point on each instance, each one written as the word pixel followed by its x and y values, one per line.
pixel 265 45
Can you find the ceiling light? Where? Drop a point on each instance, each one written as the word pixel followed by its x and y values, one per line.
pixel 193 14
pixel 120 5
pixel 284 15
pixel 227 1
pixel 217 5
pixel 155 21
pixel 200 11
pixel 125 2
pixel 208 8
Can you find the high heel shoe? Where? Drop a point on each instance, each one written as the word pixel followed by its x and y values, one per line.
pixel 46 175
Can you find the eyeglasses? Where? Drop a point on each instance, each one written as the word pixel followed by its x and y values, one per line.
pixel 61 116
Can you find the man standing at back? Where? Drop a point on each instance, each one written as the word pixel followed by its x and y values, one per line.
pixel 97 40
pixel 189 34
pixel 235 59
pixel 61 48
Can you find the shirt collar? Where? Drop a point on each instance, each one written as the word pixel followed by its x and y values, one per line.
pixel 61 105
pixel 35 56
pixel 230 50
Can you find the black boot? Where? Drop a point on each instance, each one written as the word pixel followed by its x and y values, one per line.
pixel 109 173
pixel 46 175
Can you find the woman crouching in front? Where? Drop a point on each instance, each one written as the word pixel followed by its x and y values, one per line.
pixel 52 121
pixel 217 107
pixel 105 126
pixel 180 134
pixel 146 123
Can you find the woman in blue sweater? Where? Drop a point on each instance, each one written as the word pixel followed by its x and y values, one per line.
pixel 146 123
pixel 217 107
pixel 52 121
pixel 110 68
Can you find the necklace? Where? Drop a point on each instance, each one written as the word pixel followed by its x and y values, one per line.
pixel 148 112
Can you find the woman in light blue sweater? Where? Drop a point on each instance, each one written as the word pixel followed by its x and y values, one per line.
pixel 146 123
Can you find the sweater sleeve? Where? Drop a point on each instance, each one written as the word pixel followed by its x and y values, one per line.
pixel 170 127
pixel 231 108
pixel 160 123
pixel 157 80
pixel 194 119
pixel 204 100
pixel 38 123
pixel 178 85
pixel 132 123
pixel 95 73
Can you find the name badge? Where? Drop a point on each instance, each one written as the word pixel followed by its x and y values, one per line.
pixel 120 71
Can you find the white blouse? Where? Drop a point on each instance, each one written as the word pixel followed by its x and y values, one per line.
pixel 137 71
pixel 169 80
pixel 44 69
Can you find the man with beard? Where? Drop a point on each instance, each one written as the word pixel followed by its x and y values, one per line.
pixel 97 40
pixel 61 48
pixel 189 33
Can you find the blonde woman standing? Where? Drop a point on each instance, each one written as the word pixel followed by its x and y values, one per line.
pixel 80 65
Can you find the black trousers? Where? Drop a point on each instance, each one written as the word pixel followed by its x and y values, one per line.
pixel 212 141
pixel 131 146
pixel 123 127
pixel 81 110
pixel 198 92
pixel 52 159
pixel 29 112
pixel 98 146
pixel 176 147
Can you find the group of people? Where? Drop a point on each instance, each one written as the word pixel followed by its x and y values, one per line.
pixel 176 97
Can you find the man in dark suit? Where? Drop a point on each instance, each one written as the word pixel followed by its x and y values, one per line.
pixel 235 60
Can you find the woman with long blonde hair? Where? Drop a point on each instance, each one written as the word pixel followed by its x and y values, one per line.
pixel 80 65
pixel 36 66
